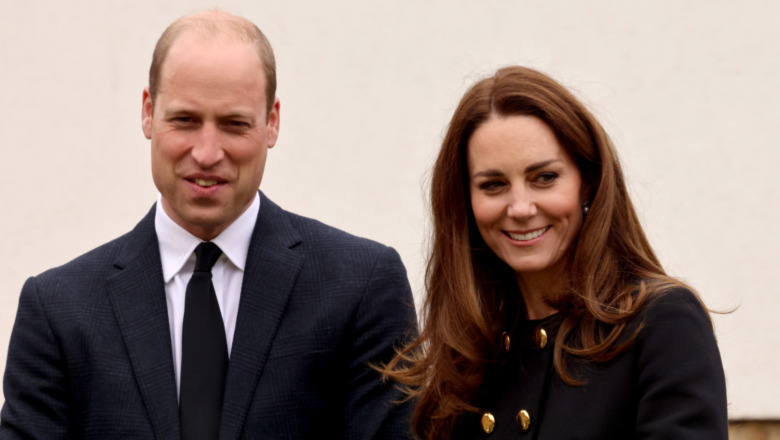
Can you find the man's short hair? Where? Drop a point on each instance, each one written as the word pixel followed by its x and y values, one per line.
pixel 213 24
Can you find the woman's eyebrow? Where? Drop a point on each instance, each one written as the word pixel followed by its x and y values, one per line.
pixel 536 166
pixel 488 173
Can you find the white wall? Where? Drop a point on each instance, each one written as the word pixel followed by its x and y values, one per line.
pixel 688 89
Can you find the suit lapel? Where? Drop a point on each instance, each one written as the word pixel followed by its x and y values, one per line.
pixel 271 269
pixel 137 293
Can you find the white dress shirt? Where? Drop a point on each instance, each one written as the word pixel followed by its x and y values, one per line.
pixel 177 247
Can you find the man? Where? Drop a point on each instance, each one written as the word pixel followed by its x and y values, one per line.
pixel 108 346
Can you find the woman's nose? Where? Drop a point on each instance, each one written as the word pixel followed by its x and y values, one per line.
pixel 521 204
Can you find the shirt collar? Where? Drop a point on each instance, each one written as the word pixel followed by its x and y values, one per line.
pixel 177 245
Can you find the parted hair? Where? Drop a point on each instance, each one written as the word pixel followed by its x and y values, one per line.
pixel 212 24
pixel 471 294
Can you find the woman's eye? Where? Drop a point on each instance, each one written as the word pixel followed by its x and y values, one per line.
pixel 546 178
pixel 490 185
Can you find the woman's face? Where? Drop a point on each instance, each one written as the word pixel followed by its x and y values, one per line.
pixel 526 193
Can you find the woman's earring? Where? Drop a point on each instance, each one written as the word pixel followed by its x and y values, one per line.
pixel 585 209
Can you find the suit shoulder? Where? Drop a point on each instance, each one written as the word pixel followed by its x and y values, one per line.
pixel 96 263
pixel 116 251
pixel 322 235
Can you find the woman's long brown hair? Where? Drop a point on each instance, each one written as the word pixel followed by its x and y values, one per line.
pixel 612 269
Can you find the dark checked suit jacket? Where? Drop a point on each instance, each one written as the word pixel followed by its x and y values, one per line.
pixel 90 352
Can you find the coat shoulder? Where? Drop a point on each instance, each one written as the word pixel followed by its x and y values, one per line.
pixel 676 305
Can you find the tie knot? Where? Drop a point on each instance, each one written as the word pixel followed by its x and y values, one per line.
pixel 206 254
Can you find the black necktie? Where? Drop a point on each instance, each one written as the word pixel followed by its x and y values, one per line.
pixel 204 356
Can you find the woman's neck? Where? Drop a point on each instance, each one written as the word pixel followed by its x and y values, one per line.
pixel 536 290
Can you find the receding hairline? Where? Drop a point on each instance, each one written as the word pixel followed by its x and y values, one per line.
pixel 211 25
pixel 217 23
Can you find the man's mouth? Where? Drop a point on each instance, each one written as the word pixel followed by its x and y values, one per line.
pixel 205 182
pixel 527 236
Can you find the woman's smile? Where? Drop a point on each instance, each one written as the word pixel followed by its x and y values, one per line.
pixel 526 193
pixel 527 236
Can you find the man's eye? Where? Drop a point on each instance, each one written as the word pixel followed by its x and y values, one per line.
pixel 183 120
pixel 238 124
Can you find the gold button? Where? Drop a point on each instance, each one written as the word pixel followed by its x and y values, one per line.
pixel 488 423
pixel 506 342
pixel 523 420
pixel 541 338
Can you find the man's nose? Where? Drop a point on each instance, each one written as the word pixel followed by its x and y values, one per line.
pixel 207 150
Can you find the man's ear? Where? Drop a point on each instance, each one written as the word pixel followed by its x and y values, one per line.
pixel 273 124
pixel 146 114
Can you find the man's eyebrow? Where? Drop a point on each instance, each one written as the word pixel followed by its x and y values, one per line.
pixel 237 115
pixel 183 111
pixel 178 111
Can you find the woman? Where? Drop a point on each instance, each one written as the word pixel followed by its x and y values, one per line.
pixel 548 315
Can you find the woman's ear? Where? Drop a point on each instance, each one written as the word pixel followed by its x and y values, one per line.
pixel 586 196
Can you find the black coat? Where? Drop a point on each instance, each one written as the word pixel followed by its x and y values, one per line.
pixel 668 385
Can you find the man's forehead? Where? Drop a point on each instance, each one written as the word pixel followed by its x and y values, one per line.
pixel 190 41
pixel 216 92
pixel 223 58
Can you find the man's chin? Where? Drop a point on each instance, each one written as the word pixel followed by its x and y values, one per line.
pixel 205 223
